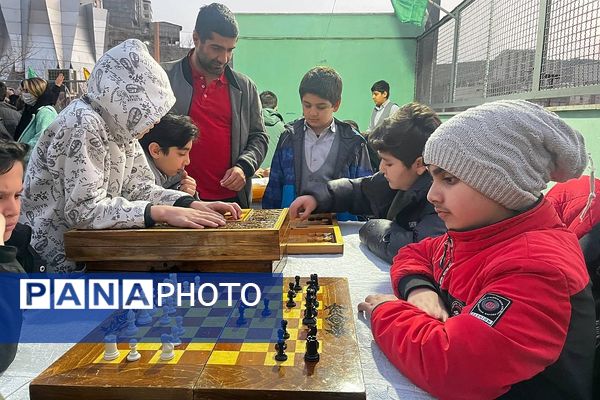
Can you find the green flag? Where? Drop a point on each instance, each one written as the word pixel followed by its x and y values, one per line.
pixel 410 11
pixel 31 73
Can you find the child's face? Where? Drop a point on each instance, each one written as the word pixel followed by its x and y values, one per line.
pixel 379 97
pixel 399 176
pixel 318 112
pixel 461 207
pixel 173 162
pixel 11 186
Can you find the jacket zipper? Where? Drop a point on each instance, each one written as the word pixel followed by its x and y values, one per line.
pixel 446 259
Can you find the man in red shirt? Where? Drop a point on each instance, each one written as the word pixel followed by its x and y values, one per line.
pixel 225 106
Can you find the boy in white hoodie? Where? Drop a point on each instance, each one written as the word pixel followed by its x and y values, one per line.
pixel 88 171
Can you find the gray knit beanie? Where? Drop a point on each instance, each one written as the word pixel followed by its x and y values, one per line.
pixel 508 150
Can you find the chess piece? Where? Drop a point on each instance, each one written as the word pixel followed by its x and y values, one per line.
pixel 286 334
pixel 168 350
pixel 315 279
pixel 179 324
pixel 131 329
pixel 196 282
pixel 176 341
pixel 164 319
pixel 291 285
pixel 110 347
pixel 312 349
pixel 133 355
pixel 241 320
pixel 291 303
pixel 311 294
pixel 309 314
pixel 297 286
pixel 143 317
pixel 170 306
pixel 280 347
pixel 266 311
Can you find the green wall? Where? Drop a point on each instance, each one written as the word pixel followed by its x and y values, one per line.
pixel 276 50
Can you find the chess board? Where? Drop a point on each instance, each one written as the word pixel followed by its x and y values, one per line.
pixel 320 234
pixel 254 243
pixel 226 364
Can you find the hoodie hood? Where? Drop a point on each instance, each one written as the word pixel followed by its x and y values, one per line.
pixel 129 90
pixel 271 117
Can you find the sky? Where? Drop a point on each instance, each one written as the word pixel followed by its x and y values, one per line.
pixel 183 12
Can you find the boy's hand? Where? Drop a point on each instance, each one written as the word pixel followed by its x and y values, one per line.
pixel 2 228
pixel 234 179
pixel 187 184
pixel 186 217
pixel 219 208
pixel 428 301
pixel 373 301
pixel 302 207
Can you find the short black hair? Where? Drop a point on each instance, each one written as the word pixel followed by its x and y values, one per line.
pixel 10 153
pixel 2 91
pixel 324 82
pixel 405 132
pixel 381 86
pixel 172 131
pixel 215 17
pixel 268 99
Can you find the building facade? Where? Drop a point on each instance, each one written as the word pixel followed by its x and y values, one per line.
pixel 50 34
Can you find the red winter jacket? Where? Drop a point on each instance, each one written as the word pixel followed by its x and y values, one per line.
pixel 522 315
pixel 569 199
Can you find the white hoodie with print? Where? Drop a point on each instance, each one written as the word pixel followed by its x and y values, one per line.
pixel 88 171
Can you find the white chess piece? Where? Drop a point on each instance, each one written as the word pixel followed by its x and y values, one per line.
pixel 133 355
pixel 131 329
pixel 168 350
pixel 110 347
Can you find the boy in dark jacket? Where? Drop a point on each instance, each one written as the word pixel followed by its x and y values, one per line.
pixel 12 156
pixel 317 148
pixel 500 306
pixel 396 196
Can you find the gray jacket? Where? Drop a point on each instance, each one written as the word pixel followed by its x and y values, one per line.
pixel 248 134
pixel 10 118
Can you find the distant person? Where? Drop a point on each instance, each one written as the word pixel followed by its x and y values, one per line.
pixel 353 124
pixel 274 124
pixel 380 93
pixel 35 94
pixel 39 110
pixel 167 147
pixel 88 171
pixel 222 102
pixel 9 115
pixel 317 148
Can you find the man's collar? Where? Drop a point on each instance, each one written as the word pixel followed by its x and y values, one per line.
pixel 381 107
pixel 332 127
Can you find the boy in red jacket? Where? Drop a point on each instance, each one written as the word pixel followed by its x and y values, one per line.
pixel 500 306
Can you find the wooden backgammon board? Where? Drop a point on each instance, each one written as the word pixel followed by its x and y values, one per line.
pixel 231 367
pixel 254 243
pixel 320 234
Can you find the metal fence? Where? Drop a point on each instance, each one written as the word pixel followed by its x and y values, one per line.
pixel 547 51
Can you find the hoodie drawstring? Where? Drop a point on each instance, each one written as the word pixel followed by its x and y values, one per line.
pixel 592 194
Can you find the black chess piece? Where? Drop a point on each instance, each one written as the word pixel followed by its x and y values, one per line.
pixel 286 334
pixel 280 346
pixel 315 279
pixel 310 314
pixel 312 349
pixel 297 286
pixel 241 320
pixel 290 303
pixel 292 286
pixel 266 311
pixel 313 296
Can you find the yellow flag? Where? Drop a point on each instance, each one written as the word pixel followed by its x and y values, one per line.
pixel 86 73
